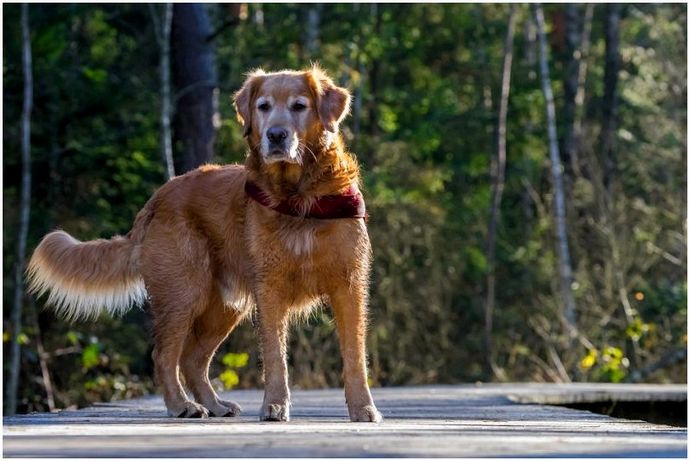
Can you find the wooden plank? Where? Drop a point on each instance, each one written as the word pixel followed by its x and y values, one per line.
pixel 429 421
pixel 562 394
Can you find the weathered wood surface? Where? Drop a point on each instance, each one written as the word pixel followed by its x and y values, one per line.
pixel 430 421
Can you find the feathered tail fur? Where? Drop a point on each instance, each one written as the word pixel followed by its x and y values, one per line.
pixel 84 279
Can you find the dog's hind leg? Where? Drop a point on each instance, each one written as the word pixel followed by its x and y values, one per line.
pixel 208 332
pixel 169 341
pixel 178 277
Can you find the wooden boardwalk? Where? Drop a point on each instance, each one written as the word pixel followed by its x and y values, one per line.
pixel 430 421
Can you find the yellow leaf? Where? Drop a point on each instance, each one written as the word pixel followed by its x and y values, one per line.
pixel 589 360
pixel 236 360
pixel 613 352
pixel 229 379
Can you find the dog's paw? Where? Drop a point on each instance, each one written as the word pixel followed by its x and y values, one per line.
pixel 225 408
pixel 275 412
pixel 366 414
pixel 189 410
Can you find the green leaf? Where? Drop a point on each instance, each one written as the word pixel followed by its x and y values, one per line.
pixel 95 75
pixel 476 258
pixel 89 356
pixel 72 338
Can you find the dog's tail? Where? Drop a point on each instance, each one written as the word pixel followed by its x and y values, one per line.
pixel 84 279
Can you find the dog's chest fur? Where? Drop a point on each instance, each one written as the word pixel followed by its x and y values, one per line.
pixel 298 239
pixel 289 239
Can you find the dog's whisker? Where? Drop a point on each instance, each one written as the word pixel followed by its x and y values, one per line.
pixel 304 146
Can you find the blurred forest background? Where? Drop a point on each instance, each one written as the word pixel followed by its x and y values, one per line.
pixel 511 242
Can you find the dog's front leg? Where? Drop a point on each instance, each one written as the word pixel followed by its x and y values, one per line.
pixel 349 307
pixel 273 329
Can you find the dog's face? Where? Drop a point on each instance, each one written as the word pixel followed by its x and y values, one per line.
pixel 283 113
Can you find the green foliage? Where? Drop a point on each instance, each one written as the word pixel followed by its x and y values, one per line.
pixel 229 377
pixel 90 356
pixel 609 365
pixel 235 360
pixel 425 80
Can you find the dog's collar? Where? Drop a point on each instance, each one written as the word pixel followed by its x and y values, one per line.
pixel 349 204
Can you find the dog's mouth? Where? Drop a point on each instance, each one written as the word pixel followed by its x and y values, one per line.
pixel 280 155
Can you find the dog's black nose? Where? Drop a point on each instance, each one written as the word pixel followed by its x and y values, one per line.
pixel 276 134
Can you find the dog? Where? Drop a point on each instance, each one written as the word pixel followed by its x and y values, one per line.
pixel 278 235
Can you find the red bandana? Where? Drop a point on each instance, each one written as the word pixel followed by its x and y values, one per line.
pixel 349 204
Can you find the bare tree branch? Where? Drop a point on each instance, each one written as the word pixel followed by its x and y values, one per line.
pixel 669 359
pixel 226 25
pixel 43 361
pixel 498 181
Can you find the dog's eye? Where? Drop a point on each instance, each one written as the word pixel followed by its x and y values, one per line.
pixel 298 107
pixel 264 107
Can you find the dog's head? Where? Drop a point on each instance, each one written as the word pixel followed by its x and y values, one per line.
pixel 285 113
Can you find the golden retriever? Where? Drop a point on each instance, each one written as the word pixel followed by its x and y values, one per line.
pixel 280 234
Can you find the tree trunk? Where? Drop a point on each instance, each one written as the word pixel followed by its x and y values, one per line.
pixel 570 81
pixel 609 219
pixel 162 30
pixel 312 35
pixel 580 93
pixel 258 17
pixel 25 208
pixel 565 269
pixel 498 180
pixel 196 86
pixel 610 101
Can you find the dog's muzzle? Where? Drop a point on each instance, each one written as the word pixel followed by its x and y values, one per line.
pixel 278 148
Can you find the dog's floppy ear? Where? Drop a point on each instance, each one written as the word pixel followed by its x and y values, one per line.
pixel 332 102
pixel 244 98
